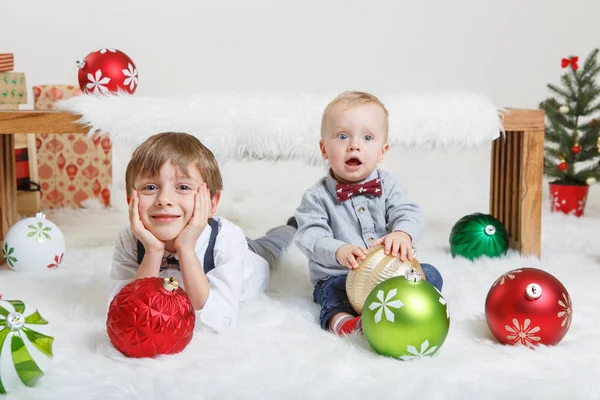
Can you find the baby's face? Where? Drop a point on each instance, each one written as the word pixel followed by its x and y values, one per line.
pixel 167 200
pixel 354 141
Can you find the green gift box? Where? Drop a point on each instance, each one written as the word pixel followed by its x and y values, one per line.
pixel 13 89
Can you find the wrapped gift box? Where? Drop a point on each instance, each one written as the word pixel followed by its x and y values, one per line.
pixel 7 62
pixel 13 89
pixel 71 168
pixel 44 96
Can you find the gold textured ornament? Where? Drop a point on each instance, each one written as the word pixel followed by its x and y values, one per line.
pixel 374 269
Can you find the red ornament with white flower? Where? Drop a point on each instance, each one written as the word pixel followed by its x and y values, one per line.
pixel 107 70
pixel 528 306
pixel 150 317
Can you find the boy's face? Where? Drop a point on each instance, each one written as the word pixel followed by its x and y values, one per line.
pixel 167 200
pixel 354 141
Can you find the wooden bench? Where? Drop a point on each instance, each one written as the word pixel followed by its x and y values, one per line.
pixel 515 182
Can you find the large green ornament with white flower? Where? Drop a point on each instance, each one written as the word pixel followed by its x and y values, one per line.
pixel 405 317
pixel 25 347
pixel 477 235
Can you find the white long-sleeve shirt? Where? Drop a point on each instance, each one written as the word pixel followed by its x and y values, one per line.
pixel 239 273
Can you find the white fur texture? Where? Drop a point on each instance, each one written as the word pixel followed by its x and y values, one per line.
pixel 278 350
pixel 275 126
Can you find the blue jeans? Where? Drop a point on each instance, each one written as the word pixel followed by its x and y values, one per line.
pixel 331 294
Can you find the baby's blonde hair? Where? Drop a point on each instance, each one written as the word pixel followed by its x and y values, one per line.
pixel 182 150
pixel 351 99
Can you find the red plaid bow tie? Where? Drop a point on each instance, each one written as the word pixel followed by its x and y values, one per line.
pixel 344 191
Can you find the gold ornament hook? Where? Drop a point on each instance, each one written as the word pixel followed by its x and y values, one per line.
pixel 170 284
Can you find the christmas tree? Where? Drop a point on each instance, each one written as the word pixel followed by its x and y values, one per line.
pixel 572 144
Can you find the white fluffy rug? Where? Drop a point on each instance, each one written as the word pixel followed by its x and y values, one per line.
pixel 278 350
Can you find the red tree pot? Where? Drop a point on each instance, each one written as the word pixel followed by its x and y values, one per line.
pixel 569 199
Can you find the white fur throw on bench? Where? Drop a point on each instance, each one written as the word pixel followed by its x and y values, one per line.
pixel 274 126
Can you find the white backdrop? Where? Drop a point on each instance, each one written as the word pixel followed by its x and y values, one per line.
pixel 508 50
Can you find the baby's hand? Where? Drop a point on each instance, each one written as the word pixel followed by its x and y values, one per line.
pixel 188 237
pixel 151 243
pixel 347 255
pixel 396 243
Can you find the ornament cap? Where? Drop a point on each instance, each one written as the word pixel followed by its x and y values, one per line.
pixel 170 284
pixel 40 215
pixel 15 321
pixel 80 63
pixel 412 275
pixel 533 291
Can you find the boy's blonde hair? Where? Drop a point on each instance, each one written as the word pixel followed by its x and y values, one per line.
pixel 182 150
pixel 351 99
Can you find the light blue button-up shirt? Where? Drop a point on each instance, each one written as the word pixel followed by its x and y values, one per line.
pixel 324 224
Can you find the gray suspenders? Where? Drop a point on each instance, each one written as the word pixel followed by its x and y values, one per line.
pixel 209 259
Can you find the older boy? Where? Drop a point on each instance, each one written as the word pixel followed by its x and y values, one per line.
pixel 174 186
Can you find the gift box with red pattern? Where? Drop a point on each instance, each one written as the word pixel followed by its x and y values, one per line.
pixel 71 168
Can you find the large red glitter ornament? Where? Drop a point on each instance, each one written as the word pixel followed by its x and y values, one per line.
pixel 149 317
pixel 528 306
pixel 107 70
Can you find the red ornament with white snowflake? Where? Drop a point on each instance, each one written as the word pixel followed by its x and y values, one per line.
pixel 569 199
pixel 107 70
pixel 528 306
pixel 150 317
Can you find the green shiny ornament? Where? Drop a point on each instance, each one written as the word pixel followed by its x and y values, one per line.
pixel 25 352
pixel 405 317
pixel 477 235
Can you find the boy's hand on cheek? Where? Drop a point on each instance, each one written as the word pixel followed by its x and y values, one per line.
pixel 151 243
pixel 188 237
pixel 398 244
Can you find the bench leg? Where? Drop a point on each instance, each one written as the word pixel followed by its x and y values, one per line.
pixel 516 188
pixel 8 185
